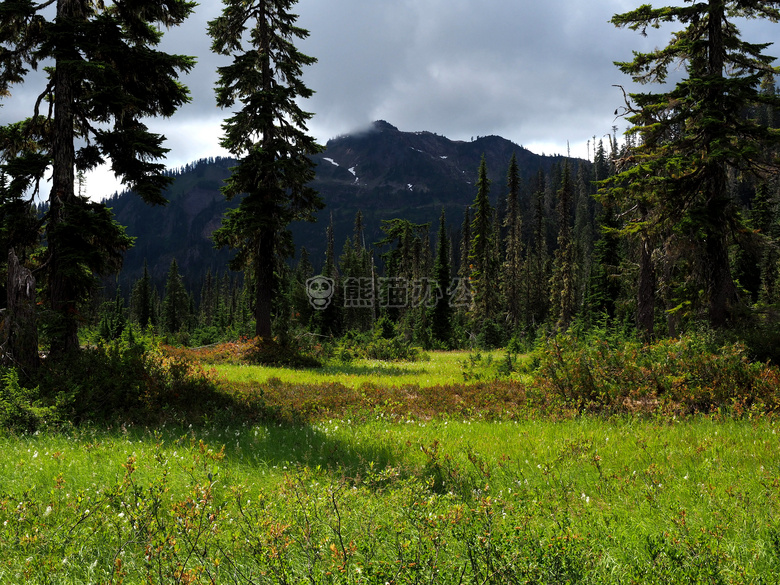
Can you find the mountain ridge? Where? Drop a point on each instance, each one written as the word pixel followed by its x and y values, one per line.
pixel 382 171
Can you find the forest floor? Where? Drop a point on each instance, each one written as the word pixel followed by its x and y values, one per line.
pixel 434 471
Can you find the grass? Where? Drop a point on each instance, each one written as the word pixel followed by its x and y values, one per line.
pixel 422 472
pixel 589 500
pixel 440 368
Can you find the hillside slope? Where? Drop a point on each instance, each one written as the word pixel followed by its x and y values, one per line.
pixel 382 171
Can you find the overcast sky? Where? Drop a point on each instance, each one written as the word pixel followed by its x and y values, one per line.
pixel 539 73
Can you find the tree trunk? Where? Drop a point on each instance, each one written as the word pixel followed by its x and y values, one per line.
pixel 720 284
pixel 264 283
pixel 645 301
pixel 62 295
pixel 18 331
pixel 722 290
pixel 264 259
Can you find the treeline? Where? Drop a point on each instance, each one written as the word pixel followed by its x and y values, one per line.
pixel 526 257
pixel 220 310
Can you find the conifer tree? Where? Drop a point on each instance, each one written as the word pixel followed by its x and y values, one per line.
pixel 464 269
pixel 692 136
pixel 604 287
pixel 582 235
pixel 330 318
pixel 357 280
pixel 268 134
pixel 441 321
pixel 484 270
pixel 513 265
pixel 765 217
pixel 104 76
pixel 113 319
pixel 562 286
pixel 300 299
pixel 142 300
pixel 208 300
pixel 537 269
pixel 406 263
pixel 176 303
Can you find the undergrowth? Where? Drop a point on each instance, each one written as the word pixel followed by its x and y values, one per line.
pixel 681 376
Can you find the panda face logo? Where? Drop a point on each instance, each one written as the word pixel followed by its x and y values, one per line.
pixel 320 290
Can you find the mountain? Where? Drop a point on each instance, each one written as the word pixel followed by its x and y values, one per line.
pixel 381 171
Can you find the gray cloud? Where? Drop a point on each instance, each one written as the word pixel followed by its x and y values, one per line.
pixel 536 73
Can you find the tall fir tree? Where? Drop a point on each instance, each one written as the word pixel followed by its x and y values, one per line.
pixel 513 247
pixel 482 258
pixel 562 285
pixel 441 317
pixel 268 134
pixel 142 307
pixel 537 260
pixel 176 303
pixel 304 270
pixel 329 319
pixel 357 280
pixel 104 76
pixel 582 235
pixel 691 137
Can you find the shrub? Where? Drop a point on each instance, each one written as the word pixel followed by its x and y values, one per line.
pixel 20 407
pixel 127 381
pixel 377 347
pixel 295 353
pixel 491 335
pixel 480 367
pixel 686 375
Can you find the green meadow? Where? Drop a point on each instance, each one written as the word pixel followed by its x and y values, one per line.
pixel 435 368
pixel 372 483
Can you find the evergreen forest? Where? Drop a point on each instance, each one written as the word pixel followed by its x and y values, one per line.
pixel 446 362
pixel 671 229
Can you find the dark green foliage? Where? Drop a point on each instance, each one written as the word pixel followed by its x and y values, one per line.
pixel 491 335
pixel 401 295
pixel 19 225
pixel 274 168
pixel 513 251
pixel 89 243
pixel 482 254
pixel 21 408
pixel 357 279
pixel 537 271
pixel 113 319
pixel 562 286
pixel 175 308
pixel 142 305
pixel 124 382
pixel 380 344
pixel 304 312
pixel 441 314
pixel 104 75
pixel 605 372
pixel 690 140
